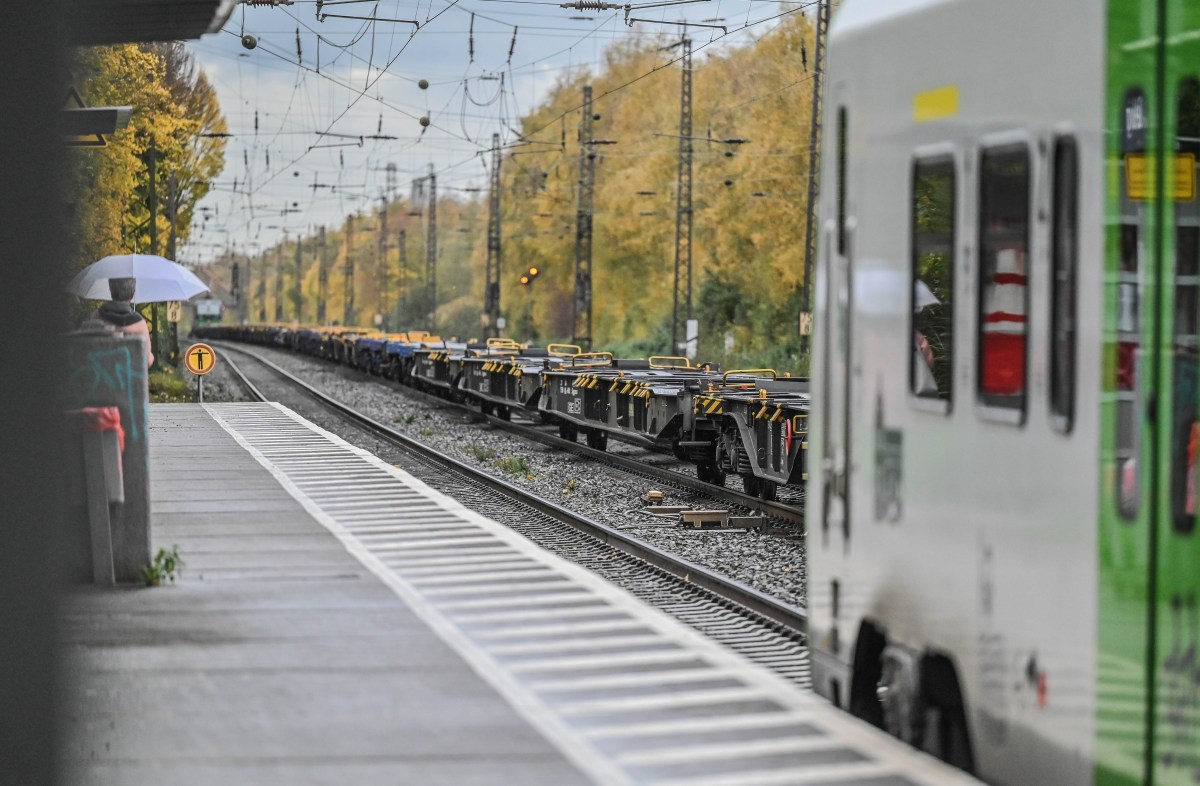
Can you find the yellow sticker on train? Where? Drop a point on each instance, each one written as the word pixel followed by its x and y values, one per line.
pixel 936 104
pixel 1185 177
pixel 1139 177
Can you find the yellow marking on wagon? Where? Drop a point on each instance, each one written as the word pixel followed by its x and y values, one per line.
pixel 936 104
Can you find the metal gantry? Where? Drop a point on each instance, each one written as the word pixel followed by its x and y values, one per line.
pixel 384 273
pixel 810 239
pixel 247 287
pixel 431 249
pixel 683 207
pixel 348 275
pixel 402 274
pixel 262 288
pixel 297 297
pixel 279 279
pixel 491 293
pixel 583 225
pixel 322 277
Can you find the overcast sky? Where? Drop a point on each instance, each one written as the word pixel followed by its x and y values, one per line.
pixel 296 116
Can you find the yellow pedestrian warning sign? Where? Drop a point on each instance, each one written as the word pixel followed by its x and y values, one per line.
pixel 200 359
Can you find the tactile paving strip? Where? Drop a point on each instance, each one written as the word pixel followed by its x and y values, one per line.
pixel 629 694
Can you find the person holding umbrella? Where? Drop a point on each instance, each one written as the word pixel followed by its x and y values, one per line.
pixel 120 314
pixel 144 278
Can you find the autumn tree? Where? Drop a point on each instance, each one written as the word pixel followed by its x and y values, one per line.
pixel 173 107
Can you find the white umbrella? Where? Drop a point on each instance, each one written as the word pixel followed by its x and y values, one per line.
pixel 924 296
pixel 158 279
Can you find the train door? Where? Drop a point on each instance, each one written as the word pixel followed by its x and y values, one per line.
pixel 836 334
pixel 1148 718
pixel 1175 615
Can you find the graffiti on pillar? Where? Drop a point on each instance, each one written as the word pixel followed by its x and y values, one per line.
pixel 108 376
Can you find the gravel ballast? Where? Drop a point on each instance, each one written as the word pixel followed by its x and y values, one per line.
pixel 769 563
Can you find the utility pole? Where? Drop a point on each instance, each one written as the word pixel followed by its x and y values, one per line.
pixel 814 142
pixel 322 277
pixel 152 195
pixel 682 315
pixel 248 288
pixel 152 204
pixel 348 275
pixel 297 298
pixel 583 226
pixel 491 292
pixel 279 279
pixel 262 288
pixel 384 278
pixel 172 238
pixel 402 274
pixel 431 251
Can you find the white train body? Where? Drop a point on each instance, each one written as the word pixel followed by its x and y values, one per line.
pixel 957 524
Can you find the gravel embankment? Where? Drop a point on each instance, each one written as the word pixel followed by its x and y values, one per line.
pixel 769 563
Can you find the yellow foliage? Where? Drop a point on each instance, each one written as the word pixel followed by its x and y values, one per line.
pixel 108 185
pixel 749 207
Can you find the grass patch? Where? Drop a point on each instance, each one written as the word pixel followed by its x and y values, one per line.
pixel 405 419
pixel 481 452
pixel 514 465
pixel 426 432
pixel 166 387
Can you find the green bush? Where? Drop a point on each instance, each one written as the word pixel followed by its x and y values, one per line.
pixel 166 387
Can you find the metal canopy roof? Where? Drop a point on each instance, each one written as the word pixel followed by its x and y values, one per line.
pixel 136 21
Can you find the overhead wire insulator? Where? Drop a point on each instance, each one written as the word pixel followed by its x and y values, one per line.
pixel 299 53
pixel 591 5
pixel 512 47
pixel 471 39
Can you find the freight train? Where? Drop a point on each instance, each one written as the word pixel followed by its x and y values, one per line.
pixel 1003 556
pixel 750 423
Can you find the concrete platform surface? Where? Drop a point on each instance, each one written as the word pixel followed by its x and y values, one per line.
pixel 276 658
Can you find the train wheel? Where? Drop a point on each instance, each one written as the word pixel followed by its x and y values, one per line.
pixel 568 431
pixel 597 439
pixel 718 475
pixel 945 728
pixel 767 490
pixel 710 473
pixel 486 408
pixel 504 413
pixel 750 484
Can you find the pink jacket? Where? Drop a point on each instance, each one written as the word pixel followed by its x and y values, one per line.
pixel 140 328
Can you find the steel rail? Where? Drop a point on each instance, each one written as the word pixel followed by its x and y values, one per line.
pixel 792 616
pixel 777 510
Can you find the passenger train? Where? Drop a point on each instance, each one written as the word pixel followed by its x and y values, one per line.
pixel 1004 564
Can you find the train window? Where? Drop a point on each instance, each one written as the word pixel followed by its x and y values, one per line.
pixel 1128 373
pixel 841 183
pixel 931 369
pixel 1065 261
pixel 1003 292
pixel 1185 431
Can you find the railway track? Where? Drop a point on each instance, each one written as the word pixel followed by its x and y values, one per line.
pixel 781 518
pixel 761 627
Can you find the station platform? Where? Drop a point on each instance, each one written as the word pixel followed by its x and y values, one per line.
pixel 338 621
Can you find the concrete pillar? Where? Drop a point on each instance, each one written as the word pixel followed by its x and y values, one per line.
pixel 108 369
